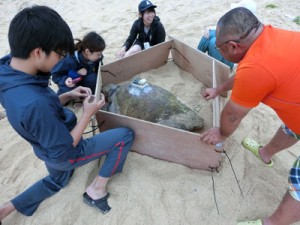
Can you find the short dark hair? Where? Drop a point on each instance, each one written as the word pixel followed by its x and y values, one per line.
pixel 149 10
pixel 91 41
pixel 236 22
pixel 39 27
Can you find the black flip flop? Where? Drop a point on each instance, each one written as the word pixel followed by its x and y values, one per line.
pixel 100 203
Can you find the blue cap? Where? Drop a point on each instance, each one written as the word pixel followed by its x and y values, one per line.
pixel 144 5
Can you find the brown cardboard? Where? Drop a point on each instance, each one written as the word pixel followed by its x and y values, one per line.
pixel 156 140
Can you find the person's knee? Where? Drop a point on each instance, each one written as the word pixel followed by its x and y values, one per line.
pixel 128 138
pixel 130 52
pixel 90 81
pixel 212 42
pixel 59 182
pixel 90 78
pixel 56 185
pixel 203 44
pixel 130 134
pixel 134 49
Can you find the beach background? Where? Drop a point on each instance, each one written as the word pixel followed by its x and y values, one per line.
pixel 151 191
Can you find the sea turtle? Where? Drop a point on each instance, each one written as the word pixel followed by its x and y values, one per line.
pixel 143 100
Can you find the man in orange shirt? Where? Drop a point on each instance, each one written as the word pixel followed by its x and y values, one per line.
pixel 268 72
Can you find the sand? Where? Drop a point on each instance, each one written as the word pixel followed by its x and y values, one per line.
pixel 151 191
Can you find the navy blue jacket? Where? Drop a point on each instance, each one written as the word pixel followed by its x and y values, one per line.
pixel 73 62
pixel 34 111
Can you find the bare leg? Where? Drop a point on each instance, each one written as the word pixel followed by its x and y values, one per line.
pixel 6 209
pixel 97 188
pixel 134 49
pixel 279 142
pixel 286 213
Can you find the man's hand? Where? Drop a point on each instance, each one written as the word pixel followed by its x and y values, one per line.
pixel 210 93
pixel 212 136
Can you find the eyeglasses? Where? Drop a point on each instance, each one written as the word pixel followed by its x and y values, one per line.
pixel 61 53
pixel 255 26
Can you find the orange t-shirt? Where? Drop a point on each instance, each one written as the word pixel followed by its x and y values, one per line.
pixel 270 73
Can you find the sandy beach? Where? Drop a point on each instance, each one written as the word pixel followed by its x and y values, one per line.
pixel 151 191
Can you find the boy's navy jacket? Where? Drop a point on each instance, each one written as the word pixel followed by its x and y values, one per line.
pixel 34 111
pixel 156 34
pixel 73 62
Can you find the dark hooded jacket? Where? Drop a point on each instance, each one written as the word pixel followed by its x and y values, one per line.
pixel 34 111
pixel 73 62
pixel 156 34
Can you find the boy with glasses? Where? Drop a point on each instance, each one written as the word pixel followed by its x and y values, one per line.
pixel 36 113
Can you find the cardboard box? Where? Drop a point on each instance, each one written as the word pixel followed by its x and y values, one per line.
pixel 156 140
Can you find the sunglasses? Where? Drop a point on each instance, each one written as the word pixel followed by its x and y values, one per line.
pixel 255 26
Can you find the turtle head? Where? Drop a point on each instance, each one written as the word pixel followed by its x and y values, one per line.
pixel 109 90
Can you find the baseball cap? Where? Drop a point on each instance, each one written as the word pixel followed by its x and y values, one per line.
pixel 144 5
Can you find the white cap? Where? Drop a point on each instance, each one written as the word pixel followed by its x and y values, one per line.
pixel 249 4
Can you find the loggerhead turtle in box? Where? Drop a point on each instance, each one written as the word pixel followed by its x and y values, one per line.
pixel 142 100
